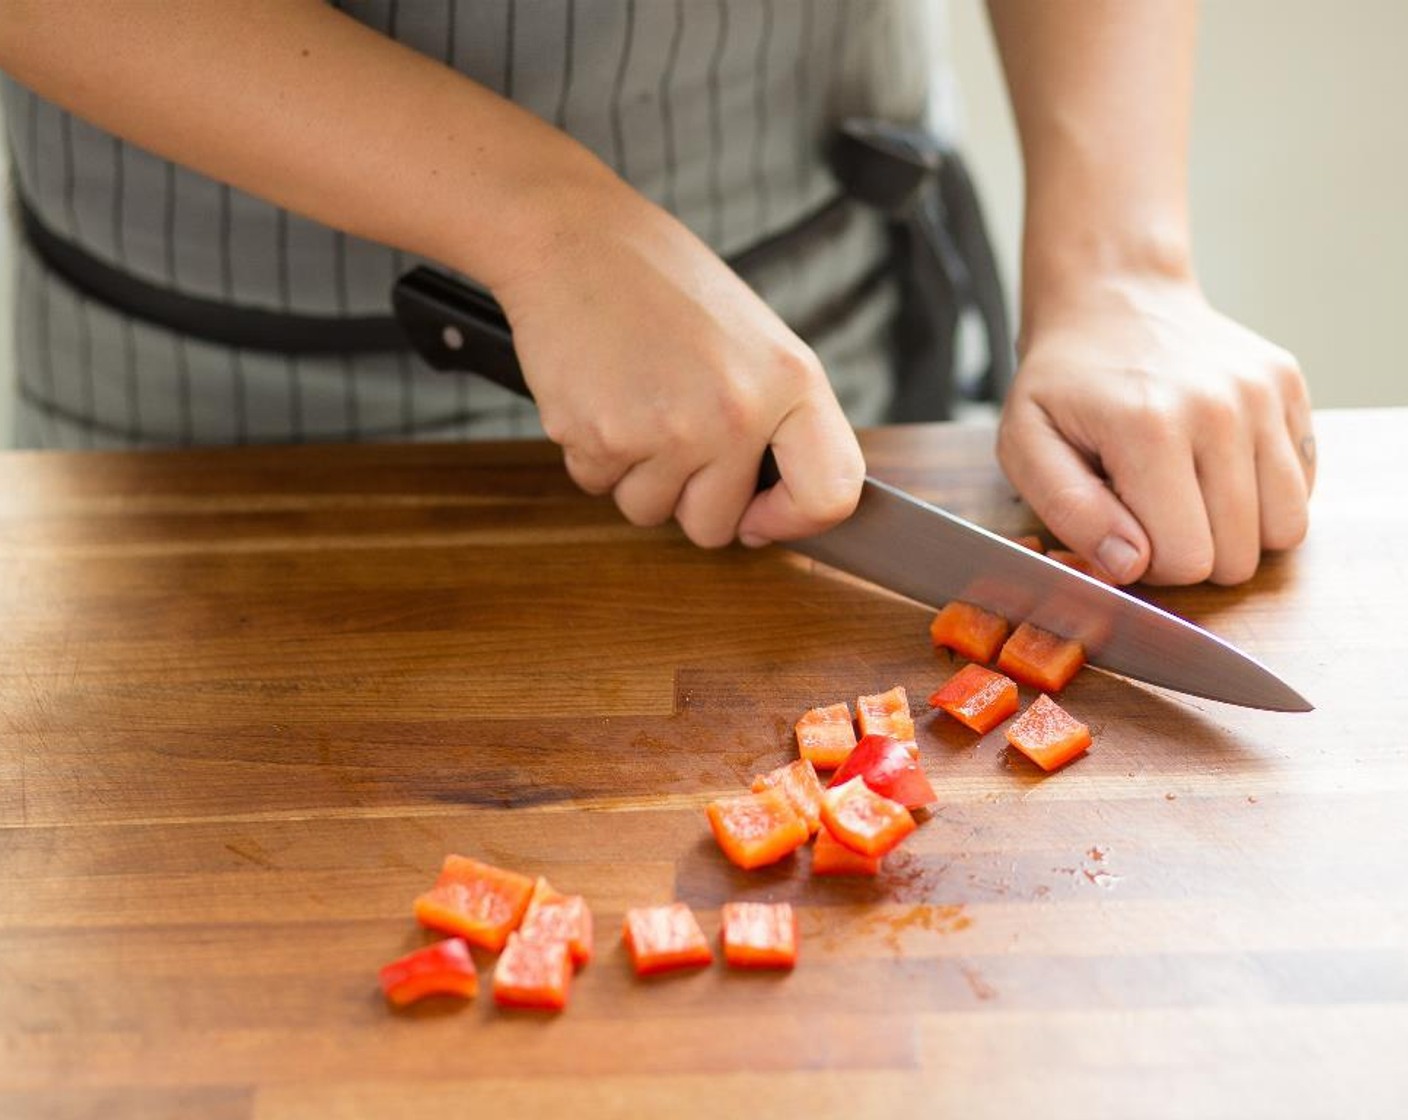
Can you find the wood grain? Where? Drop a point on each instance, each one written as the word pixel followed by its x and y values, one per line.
pixel 248 701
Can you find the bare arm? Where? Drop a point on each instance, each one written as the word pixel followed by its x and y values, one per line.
pixel 662 375
pixel 1150 433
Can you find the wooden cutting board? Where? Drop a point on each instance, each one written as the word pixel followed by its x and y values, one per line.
pixel 250 699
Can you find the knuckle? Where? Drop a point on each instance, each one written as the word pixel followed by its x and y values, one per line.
pixel 1192 565
pixel 1229 571
pixel 1288 530
pixel 1068 507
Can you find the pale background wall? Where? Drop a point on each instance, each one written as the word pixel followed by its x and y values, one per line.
pixel 1299 179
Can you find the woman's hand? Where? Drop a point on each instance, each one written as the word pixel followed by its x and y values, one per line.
pixel 664 377
pixel 1156 437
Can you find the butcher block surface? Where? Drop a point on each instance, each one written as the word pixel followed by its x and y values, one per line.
pixel 250 699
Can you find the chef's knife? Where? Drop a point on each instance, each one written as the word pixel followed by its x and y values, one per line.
pixel 909 546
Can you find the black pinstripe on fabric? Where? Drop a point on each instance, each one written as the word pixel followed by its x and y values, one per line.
pixel 119 188
pixel 510 22
pixel 667 119
pixel 802 83
pixel 69 176
pixel 618 131
pixel 450 14
pixel 131 382
pixel 716 128
pixel 85 368
pixel 227 290
pixel 169 222
pixel 46 355
pixel 560 116
pixel 281 264
pixel 182 360
pixel 183 391
pixel 295 398
pixel 344 304
pixel 760 126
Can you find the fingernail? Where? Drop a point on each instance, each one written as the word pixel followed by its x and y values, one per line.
pixel 1118 557
pixel 748 540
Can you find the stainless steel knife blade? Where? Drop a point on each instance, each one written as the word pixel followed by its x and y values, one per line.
pixel 906 545
pixel 925 553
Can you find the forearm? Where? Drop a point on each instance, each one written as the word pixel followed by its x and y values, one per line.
pixel 295 102
pixel 1101 92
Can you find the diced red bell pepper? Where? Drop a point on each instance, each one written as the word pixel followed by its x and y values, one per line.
pixel 863 820
pixel 887 767
pixel 831 857
pixel 552 916
pixel 442 969
pixel 759 934
pixel 755 829
pixel 1048 734
pixel 1041 659
pixel 534 974
pixel 798 781
pixel 977 697
pixel 887 713
pixel 1029 540
pixel 476 901
pixel 664 938
pixel 969 631
pixel 825 736
pixel 1078 562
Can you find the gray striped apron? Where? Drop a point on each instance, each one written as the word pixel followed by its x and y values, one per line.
pixel 718 110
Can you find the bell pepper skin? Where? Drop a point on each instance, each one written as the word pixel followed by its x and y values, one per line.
pixel 665 938
pixel 825 736
pixel 1079 563
pixel 977 697
pixel 533 974
pixel 801 786
pixel 1041 659
pixel 552 916
pixel 442 969
pixel 831 857
pixel 476 901
pixel 887 767
pixel 969 631
pixel 864 821
pixel 759 934
pixel 755 829
pixel 1049 735
pixel 887 713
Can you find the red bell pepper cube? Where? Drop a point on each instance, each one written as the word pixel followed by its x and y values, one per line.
pixel 863 820
pixel 536 974
pixel 977 697
pixel 969 631
pixel 831 857
pixel 825 736
pixel 1041 659
pixel 1048 734
pixel 755 829
pixel 442 969
pixel 887 767
pixel 798 781
pixel 759 934
pixel 1080 564
pixel 1029 540
pixel 476 901
pixel 552 916
pixel 887 713
pixel 664 938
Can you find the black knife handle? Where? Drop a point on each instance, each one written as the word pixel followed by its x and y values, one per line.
pixel 456 328
pixel 459 329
